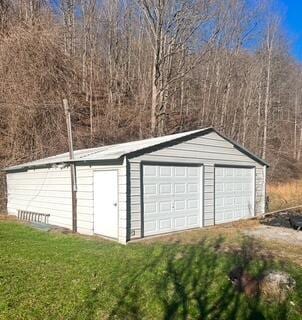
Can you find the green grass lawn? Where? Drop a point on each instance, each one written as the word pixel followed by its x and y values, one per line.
pixel 54 276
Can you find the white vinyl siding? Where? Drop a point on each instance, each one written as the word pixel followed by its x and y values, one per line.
pixel 48 190
pixel 260 189
pixel 207 150
pixel 208 195
pixel 42 191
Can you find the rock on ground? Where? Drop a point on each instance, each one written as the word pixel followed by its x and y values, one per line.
pixel 277 285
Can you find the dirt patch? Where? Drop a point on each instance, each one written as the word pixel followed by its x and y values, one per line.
pixel 285 234
pixel 269 241
pixel 278 235
pixel 7 217
pixel 277 227
pixel 229 231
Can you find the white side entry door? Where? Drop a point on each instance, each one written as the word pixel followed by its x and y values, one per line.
pixel 106 203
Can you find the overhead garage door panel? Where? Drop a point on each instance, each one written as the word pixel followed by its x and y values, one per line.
pixel 234 194
pixel 171 198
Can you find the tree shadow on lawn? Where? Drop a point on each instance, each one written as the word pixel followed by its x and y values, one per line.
pixel 203 289
pixel 188 282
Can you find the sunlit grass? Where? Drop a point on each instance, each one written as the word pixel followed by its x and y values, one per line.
pixel 284 195
pixel 55 276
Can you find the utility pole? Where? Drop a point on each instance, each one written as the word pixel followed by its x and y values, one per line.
pixel 72 167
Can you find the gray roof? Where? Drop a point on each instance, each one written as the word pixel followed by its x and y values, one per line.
pixel 117 151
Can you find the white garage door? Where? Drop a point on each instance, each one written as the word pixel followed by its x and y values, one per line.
pixel 171 198
pixel 234 194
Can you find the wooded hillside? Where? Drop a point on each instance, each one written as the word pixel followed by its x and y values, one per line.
pixel 138 68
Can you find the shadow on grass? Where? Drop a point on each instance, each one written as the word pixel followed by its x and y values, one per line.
pixel 188 282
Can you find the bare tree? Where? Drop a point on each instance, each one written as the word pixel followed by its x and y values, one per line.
pixel 171 26
pixel 272 28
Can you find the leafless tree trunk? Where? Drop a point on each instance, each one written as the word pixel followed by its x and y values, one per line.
pixel 269 43
pixel 68 14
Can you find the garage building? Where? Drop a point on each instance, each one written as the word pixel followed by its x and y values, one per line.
pixel 143 188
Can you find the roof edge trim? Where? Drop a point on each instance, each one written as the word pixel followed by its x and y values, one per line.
pixel 199 133
pixel 144 150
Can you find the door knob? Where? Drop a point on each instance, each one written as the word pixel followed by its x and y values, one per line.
pixel 115 204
